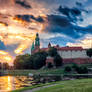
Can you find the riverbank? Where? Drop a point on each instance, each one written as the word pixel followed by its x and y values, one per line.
pixel 78 85
pixel 35 86
pixel 83 85
pixel 34 72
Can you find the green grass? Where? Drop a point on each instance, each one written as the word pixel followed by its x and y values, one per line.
pixel 82 85
pixel 26 72
pixel 35 86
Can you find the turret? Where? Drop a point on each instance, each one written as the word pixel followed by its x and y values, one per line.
pixel 49 45
pixel 37 41
pixel 33 47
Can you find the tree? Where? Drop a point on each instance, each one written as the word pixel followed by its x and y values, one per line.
pixel 89 52
pixel 21 61
pixel 38 59
pixel 52 51
pixel 5 66
pixel 49 65
pixel 82 70
pixel 68 69
pixel 58 60
pixel 75 66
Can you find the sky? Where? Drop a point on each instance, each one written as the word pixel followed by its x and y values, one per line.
pixel 62 22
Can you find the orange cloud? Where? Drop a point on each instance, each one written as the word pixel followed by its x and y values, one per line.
pixel 86 43
pixel 5 57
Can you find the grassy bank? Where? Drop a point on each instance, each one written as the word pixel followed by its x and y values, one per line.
pixel 35 86
pixel 26 72
pixel 83 85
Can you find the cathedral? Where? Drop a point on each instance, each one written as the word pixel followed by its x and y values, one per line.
pixel 68 54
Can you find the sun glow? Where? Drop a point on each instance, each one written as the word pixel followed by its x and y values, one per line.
pixel 5 57
pixel 19 33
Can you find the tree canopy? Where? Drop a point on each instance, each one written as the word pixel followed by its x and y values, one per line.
pixel 34 61
pixel 89 52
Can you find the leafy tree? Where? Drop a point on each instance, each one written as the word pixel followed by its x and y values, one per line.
pixel 5 66
pixel 52 51
pixel 89 52
pixel 49 65
pixel 82 70
pixel 21 61
pixel 58 60
pixel 75 66
pixel 0 65
pixel 38 59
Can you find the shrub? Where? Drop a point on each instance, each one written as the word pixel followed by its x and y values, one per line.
pixel 68 69
pixel 49 65
pixel 82 70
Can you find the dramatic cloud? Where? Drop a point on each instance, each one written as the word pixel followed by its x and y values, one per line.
pixel 2 46
pixel 63 22
pixel 23 3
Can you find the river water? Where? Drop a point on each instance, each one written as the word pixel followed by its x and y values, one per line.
pixel 8 83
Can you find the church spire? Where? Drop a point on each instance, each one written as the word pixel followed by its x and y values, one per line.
pixel 37 40
pixel 33 47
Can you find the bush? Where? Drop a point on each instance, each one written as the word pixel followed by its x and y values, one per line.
pixel 82 70
pixel 68 69
pixel 49 65
pixel 58 61
pixel 75 67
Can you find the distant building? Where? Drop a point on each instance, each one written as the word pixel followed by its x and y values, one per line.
pixel 68 54
pixel 35 45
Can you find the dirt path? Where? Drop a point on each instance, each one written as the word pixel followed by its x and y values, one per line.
pixel 35 89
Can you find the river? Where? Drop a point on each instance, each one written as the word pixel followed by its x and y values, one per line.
pixel 9 83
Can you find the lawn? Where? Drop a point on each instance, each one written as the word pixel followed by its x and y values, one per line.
pixel 82 85
pixel 26 72
pixel 35 86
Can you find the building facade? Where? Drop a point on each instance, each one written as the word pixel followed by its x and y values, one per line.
pixel 68 54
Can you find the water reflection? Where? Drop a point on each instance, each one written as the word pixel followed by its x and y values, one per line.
pixel 8 83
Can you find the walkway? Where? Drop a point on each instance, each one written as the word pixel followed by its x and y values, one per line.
pixel 35 89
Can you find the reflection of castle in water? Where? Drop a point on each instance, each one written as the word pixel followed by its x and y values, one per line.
pixel 69 54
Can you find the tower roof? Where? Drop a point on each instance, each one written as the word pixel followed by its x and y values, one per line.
pixel 32 48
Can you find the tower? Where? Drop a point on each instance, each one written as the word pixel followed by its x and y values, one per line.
pixel 36 44
pixel 49 45
pixel 32 48
pixel 37 41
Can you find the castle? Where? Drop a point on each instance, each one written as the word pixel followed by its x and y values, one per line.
pixel 68 54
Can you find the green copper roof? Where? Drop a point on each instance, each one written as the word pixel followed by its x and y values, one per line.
pixel 37 40
pixel 32 48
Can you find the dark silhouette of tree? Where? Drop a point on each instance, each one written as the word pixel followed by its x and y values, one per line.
pixel 49 65
pixel 5 66
pixel 68 69
pixel 89 52
pixel 58 60
pixel 34 61
pixel 38 59
pixel 52 51
pixel 22 61
pixel 82 70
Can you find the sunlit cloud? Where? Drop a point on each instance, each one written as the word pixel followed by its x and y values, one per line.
pixel 5 57
pixel 44 18
pixel 85 43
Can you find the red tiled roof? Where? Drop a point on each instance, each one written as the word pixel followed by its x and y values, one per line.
pixel 78 60
pixel 70 48
pixel 44 49
pixel 64 48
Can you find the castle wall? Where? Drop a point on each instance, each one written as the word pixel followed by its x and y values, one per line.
pixel 73 54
